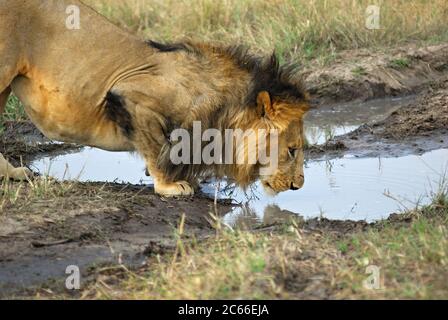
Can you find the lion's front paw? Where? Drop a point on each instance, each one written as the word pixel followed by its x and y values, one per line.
pixel 178 188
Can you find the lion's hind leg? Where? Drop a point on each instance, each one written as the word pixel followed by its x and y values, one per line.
pixel 10 172
pixel 6 169
pixel 4 98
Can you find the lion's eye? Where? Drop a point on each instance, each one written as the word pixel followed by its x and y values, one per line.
pixel 292 152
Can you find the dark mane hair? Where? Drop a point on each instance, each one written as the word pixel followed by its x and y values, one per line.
pixel 265 74
pixel 167 47
pixel 281 82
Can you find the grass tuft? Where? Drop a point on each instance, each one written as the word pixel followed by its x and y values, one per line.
pixel 400 63
pixel 14 111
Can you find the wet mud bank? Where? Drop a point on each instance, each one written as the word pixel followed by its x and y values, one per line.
pixel 418 127
pixel 119 225
pixel 21 141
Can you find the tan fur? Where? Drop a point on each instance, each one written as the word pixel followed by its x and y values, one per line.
pixel 63 78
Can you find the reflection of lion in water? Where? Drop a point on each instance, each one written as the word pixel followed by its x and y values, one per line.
pixel 272 215
pixel 102 87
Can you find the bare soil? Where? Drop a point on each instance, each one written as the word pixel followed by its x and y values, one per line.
pixel 120 224
pixel 21 141
pixel 363 74
pixel 418 127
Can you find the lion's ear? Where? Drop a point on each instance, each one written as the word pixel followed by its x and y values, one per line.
pixel 264 105
pixel 279 114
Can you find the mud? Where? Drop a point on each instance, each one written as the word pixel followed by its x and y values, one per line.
pixel 416 128
pixel 125 226
pixel 21 141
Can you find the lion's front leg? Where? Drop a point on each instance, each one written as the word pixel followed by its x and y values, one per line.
pixel 172 189
pixel 149 144
pixel 164 186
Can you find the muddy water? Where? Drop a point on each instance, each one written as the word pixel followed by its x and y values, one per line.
pixel 344 188
pixel 91 164
pixel 333 120
pixel 351 188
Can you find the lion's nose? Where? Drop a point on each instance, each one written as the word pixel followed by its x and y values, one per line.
pixel 297 186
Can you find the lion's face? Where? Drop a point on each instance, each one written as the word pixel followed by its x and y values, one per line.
pixel 289 172
pixel 286 117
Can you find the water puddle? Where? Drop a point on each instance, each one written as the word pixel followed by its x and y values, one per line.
pixel 346 188
pixel 92 164
pixel 329 121
pixel 350 188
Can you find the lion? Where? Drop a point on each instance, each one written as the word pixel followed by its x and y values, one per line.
pixel 100 86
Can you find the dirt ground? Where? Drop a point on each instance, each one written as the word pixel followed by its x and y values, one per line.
pixel 94 224
pixel 418 127
pixel 362 74
pixel 22 142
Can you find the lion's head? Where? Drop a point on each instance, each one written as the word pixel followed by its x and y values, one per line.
pixel 288 174
pixel 286 118
pixel 253 94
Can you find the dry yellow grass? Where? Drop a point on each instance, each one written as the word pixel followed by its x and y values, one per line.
pixel 233 265
pixel 295 28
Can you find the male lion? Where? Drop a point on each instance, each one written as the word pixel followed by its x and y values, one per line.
pixel 102 87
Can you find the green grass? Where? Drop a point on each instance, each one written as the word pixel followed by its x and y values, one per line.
pixel 14 111
pixel 359 71
pixel 232 265
pixel 15 196
pixel 413 259
pixel 400 63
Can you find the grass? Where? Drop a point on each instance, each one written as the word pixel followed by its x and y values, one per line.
pixel 14 111
pixel 291 262
pixel 22 193
pixel 413 260
pixel 413 257
pixel 42 199
pixel 28 198
pixel 296 29
pixel 236 267
pixel 231 265
pixel 46 198
pixel 359 71
pixel 399 63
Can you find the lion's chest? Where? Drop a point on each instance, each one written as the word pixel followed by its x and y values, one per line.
pixel 63 118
